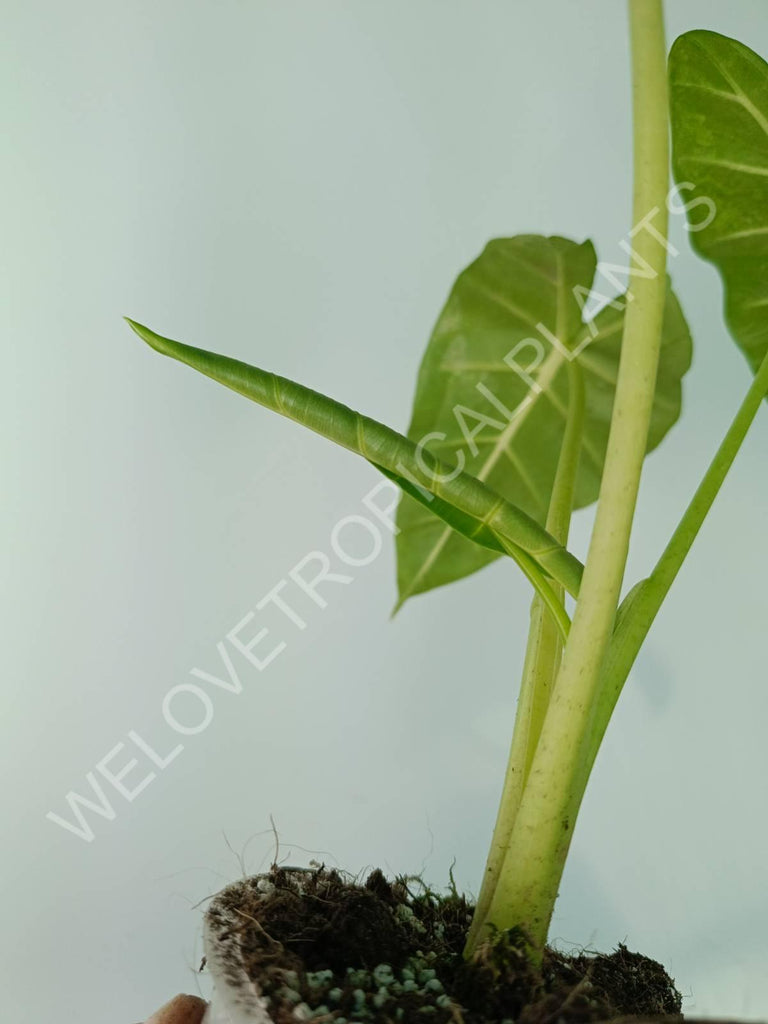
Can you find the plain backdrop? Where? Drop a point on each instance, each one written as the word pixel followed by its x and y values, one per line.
pixel 297 183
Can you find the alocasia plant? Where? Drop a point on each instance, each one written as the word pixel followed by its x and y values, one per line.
pixel 528 407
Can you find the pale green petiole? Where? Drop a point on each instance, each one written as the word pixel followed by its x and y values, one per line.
pixel 527 887
pixel 542 658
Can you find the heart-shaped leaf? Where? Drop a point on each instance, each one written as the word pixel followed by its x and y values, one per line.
pixel 492 391
pixel 719 115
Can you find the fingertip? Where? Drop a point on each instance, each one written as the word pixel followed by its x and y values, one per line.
pixel 181 1010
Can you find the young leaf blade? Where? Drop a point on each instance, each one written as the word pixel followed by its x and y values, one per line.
pixel 719 118
pixel 492 389
pixel 462 502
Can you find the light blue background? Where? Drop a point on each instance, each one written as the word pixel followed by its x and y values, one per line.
pixel 298 183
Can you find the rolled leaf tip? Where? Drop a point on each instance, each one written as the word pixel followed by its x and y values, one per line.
pixel 154 341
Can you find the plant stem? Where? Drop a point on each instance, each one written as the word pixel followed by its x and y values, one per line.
pixel 563 489
pixel 542 656
pixel 643 605
pixel 527 887
pixel 559 525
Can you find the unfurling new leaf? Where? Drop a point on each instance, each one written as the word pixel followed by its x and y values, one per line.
pixel 462 502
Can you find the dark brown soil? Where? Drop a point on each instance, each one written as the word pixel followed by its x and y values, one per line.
pixel 323 947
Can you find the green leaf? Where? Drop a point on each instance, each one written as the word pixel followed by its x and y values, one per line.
pixel 461 502
pixel 476 403
pixel 719 114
